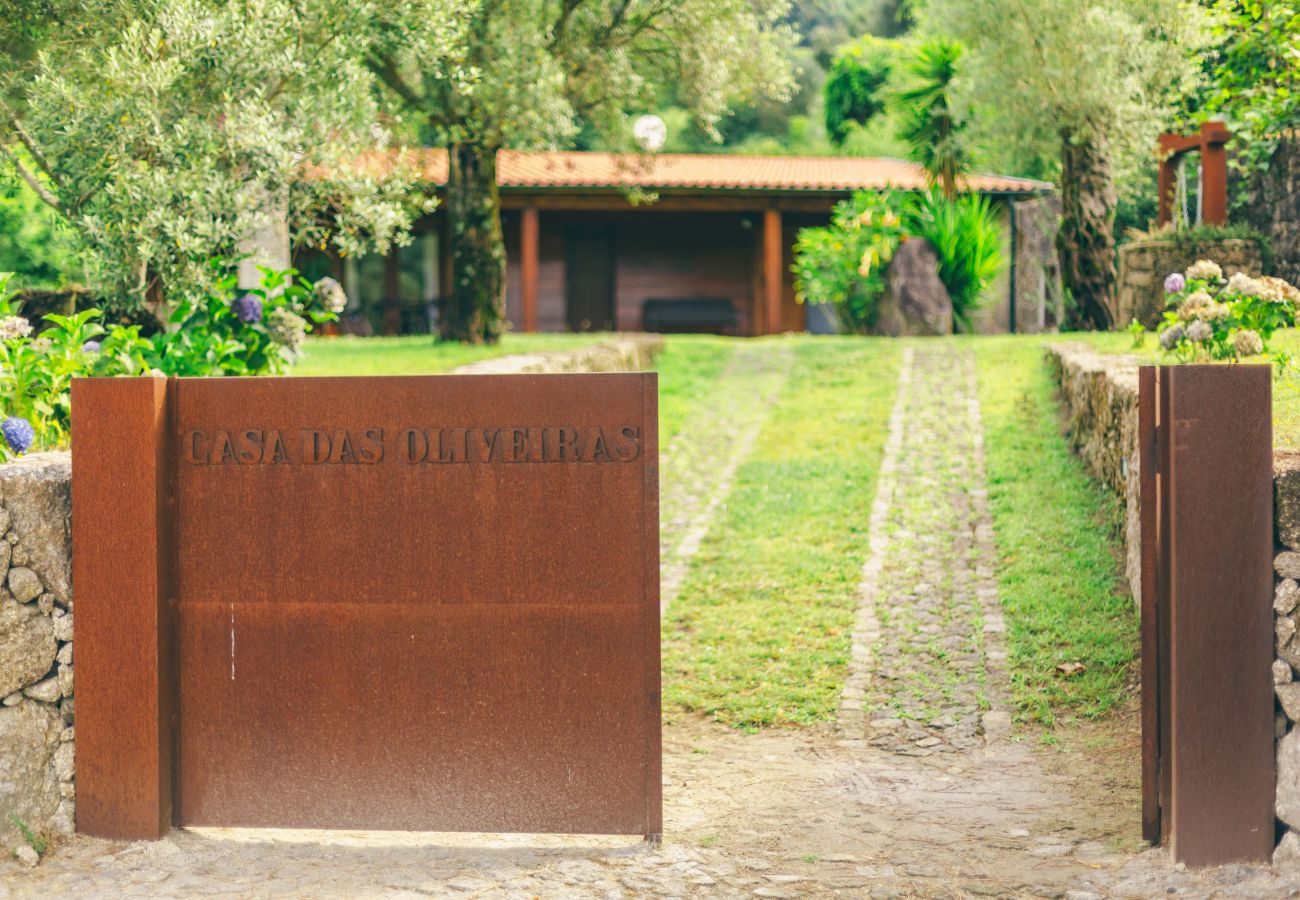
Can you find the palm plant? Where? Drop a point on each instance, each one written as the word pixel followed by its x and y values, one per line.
pixel 966 236
pixel 931 124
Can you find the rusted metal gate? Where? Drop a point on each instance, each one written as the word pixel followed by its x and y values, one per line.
pixel 1206 471
pixel 400 603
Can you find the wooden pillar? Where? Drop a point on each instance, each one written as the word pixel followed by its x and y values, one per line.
pixel 772 271
pixel 124 627
pixel 528 256
pixel 1214 174
pixel 1165 187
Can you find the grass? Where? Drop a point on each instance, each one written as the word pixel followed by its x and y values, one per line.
pixel 760 633
pixel 1057 537
pixel 688 367
pixel 419 354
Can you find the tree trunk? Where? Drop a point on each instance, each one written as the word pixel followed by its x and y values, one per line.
pixel 1086 241
pixel 474 311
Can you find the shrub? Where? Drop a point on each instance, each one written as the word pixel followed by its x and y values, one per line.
pixel 229 333
pixel 1215 318
pixel 966 235
pixel 855 89
pixel 844 263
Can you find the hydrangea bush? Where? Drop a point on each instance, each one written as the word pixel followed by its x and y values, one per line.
pixel 1213 318
pixel 253 332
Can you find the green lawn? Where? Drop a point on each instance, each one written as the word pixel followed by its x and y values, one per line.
pixel 1057 535
pixel 420 355
pixel 760 633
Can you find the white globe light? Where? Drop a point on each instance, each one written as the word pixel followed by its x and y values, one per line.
pixel 650 133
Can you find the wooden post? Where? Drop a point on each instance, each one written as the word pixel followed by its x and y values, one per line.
pixel 528 256
pixel 772 270
pixel 1165 184
pixel 124 627
pixel 1214 174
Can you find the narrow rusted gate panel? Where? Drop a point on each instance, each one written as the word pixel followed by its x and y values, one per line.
pixel 1211 536
pixel 1149 501
pixel 418 603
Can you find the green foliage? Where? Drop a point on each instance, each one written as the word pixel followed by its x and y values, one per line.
pixel 932 125
pixel 844 263
pixel 1255 83
pixel 203 338
pixel 967 237
pixel 35 243
pixel 855 88
pixel 166 133
pixel 37 842
pixel 1225 319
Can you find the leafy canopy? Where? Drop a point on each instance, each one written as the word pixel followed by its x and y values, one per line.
pixel 856 88
pixel 165 133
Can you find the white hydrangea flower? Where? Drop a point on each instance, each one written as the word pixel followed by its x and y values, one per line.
pixel 1204 270
pixel 14 327
pixel 1241 283
pixel 1199 331
pixel 1247 343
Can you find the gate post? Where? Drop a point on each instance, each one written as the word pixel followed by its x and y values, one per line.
pixel 1206 451
pixel 124 620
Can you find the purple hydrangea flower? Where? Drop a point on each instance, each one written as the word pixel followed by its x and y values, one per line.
pixel 1175 283
pixel 18 434
pixel 247 308
pixel 90 347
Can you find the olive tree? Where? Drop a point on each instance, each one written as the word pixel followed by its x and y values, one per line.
pixel 1092 82
pixel 529 72
pixel 166 133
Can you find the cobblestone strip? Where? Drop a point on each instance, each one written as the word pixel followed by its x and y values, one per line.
pixel 935 675
pixel 866 629
pixel 701 463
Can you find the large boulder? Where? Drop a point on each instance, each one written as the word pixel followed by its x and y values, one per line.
pixel 29 784
pixel 915 300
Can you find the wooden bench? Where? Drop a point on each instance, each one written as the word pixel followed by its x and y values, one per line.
pixel 711 315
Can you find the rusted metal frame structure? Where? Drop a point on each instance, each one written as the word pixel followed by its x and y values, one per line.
pixel 1206 492
pixel 1210 142
pixel 243 660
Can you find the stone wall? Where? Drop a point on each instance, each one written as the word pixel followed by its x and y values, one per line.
pixel 1099 398
pixel 625 353
pixel 36 713
pixel 1273 207
pixel 1143 266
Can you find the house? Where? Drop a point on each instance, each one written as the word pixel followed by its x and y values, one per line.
pixel 600 241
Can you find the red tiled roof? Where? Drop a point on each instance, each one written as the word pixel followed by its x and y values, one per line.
pixel 705 171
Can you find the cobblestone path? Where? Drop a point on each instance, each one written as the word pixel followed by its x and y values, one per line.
pixel 928 669
pixel 914 795
pixel 699 465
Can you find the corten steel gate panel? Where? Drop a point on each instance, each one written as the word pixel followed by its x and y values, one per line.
pixel 401 603
pixel 1206 489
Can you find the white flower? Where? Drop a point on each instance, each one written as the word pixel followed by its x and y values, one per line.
pixel 1193 302
pixel 1241 283
pixel 1247 343
pixel 14 327
pixel 1204 270
pixel 1199 331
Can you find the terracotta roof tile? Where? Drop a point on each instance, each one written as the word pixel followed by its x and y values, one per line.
pixel 705 171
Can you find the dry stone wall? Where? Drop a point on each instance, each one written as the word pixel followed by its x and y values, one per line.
pixel 1273 206
pixel 1143 266
pixel 1099 396
pixel 36 666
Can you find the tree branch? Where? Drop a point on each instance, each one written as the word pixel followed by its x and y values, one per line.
pixel 35 183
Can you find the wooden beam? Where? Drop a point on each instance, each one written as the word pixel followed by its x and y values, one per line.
pixel 615 201
pixel 528 256
pixel 772 270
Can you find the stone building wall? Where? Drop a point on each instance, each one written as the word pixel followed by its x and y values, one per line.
pixel 1099 397
pixel 36 667
pixel 1273 206
pixel 1143 266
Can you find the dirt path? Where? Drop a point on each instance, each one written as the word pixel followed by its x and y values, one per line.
pixel 915 795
